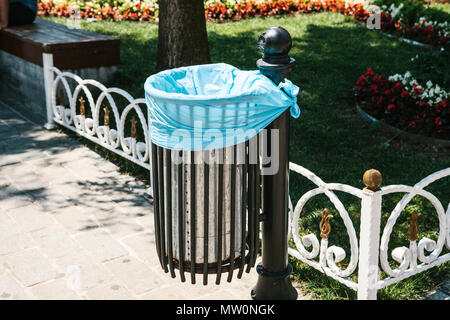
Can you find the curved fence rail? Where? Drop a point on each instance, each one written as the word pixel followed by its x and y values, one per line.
pixel 367 252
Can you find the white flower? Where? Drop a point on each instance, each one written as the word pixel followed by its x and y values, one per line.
pixel 429 83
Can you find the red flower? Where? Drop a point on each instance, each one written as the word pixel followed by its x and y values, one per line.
pixel 391 106
pixel 380 100
pixel 374 88
pixel 404 93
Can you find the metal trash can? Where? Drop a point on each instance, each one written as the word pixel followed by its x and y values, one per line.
pixel 207 200
pixel 206 214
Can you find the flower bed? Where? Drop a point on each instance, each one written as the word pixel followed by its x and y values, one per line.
pixel 402 102
pixel 424 30
pixel 430 32
pixel 214 9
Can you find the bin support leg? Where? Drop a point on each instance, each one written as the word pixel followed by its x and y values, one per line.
pixel 274 272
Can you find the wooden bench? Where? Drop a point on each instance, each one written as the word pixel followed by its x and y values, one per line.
pixel 88 54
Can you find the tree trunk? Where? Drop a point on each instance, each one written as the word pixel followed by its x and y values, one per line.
pixel 182 37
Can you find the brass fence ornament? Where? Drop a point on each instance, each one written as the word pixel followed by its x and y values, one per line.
pixel 106 117
pixel 62 101
pixel 372 179
pixel 325 227
pixel 82 109
pixel 413 229
pixel 133 127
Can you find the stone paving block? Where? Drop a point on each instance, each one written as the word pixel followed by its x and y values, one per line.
pixel 57 175
pixel 18 145
pixel 76 154
pixel 84 270
pixel 32 154
pixel 31 218
pixel 11 238
pixel 110 291
pixel 74 219
pixel 8 159
pixel 52 143
pixel 137 207
pixel 46 135
pixel 29 182
pixel 99 243
pixel 92 202
pixel 37 165
pixel 54 242
pixel 147 220
pixel 53 201
pixel 31 267
pixel 221 294
pixel 10 289
pixel 169 293
pixel 17 171
pixel 13 120
pixel 69 190
pixel 59 289
pixel 117 224
pixel 11 197
pixel 143 246
pixel 136 276
pixel 107 167
pixel 4 181
pixel 198 290
pixel 84 169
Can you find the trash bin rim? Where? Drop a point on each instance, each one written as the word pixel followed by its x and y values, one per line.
pixel 180 98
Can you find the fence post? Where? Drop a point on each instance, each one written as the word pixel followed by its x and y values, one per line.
pixel 47 63
pixel 369 243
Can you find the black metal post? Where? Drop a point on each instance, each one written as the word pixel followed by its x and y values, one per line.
pixel 274 272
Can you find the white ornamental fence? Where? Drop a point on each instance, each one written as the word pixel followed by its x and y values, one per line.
pixel 371 251
pixel 367 253
pixel 93 128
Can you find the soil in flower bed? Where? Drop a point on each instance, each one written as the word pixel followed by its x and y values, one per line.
pixel 403 107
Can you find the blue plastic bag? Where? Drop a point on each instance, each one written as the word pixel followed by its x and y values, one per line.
pixel 213 106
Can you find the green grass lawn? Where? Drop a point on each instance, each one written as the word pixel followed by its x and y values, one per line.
pixel 329 138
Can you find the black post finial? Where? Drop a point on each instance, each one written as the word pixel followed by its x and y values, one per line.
pixel 275 44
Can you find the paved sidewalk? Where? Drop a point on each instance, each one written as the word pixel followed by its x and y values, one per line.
pixel 73 227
